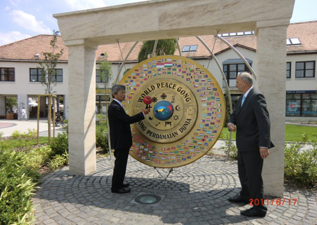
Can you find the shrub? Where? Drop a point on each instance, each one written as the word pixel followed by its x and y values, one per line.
pixel 60 144
pixel 233 151
pixel 300 167
pixel 102 140
pixel 16 188
pixel 59 161
pixel 39 156
pixel 24 138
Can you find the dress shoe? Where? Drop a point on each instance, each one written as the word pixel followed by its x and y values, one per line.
pixel 122 190
pixel 125 185
pixel 253 212
pixel 238 198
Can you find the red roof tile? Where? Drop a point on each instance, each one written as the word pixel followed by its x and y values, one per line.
pixel 26 49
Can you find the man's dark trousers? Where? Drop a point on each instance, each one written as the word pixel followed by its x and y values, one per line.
pixel 119 169
pixel 250 166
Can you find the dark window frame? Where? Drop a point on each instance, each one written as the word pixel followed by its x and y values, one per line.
pixel 58 77
pixel 99 79
pixel 301 99
pixel 227 70
pixel 304 70
pixel 289 70
pixel 7 76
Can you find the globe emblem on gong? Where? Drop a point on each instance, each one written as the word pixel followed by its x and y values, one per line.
pixel 163 110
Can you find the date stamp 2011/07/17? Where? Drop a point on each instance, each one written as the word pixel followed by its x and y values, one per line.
pixel 276 201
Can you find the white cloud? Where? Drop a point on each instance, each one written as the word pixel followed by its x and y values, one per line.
pixel 29 22
pixel 84 4
pixel 12 36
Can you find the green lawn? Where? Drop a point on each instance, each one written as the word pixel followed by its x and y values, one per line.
pixel 292 133
pixel 17 143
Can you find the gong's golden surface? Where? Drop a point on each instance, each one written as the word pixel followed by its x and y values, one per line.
pixel 187 112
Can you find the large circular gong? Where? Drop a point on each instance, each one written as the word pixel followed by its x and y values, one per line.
pixel 187 112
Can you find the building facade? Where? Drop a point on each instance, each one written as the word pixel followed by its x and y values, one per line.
pixel 20 76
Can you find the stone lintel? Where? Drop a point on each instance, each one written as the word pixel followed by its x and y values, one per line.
pixel 169 19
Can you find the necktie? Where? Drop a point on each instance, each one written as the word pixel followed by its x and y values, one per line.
pixel 242 100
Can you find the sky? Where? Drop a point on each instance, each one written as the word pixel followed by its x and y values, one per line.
pixel 21 19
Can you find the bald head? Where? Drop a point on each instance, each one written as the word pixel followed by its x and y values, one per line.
pixel 244 82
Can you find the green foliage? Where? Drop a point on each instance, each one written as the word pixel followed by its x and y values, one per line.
pixel 59 161
pixel 10 102
pixel 300 167
pixel 105 71
pixel 164 47
pixel 48 65
pixel 60 144
pixel 102 139
pixel 16 187
pixel 39 156
pixel 233 151
pixel 19 172
pixel 305 137
pixel 24 138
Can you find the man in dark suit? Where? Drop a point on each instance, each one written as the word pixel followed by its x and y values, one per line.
pixel 251 121
pixel 121 137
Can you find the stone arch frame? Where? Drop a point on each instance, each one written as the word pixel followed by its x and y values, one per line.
pixel 83 31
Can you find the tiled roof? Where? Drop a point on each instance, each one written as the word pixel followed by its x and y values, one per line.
pixel 26 49
pixel 307 33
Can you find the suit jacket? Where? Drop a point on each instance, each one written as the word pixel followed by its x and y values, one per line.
pixel 253 122
pixel 120 130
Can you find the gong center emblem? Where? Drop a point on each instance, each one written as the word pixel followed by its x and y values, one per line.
pixel 173 111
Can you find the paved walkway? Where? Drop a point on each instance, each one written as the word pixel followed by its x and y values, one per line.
pixel 192 194
pixel 7 127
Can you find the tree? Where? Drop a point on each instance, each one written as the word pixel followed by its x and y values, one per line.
pixel 104 72
pixel 164 47
pixel 48 64
pixel 10 102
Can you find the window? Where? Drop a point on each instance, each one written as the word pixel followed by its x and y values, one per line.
pixel 305 69
pixel 7 74
pixel 246 33
pixel 59 75
pixel 35 75
pixel 293 41
pixel 232 67
pixel 301 103
pixel 101 79
pixel 288 70
pixel 189 48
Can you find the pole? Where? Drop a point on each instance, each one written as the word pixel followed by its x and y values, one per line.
pixel 49 118
pixel 38 118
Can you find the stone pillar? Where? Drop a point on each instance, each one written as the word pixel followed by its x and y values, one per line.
pixel 81 107
pixel 271 72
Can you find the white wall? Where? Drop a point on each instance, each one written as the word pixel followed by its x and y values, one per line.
pixel 300 84
pixel 23 87
pixel 22 84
